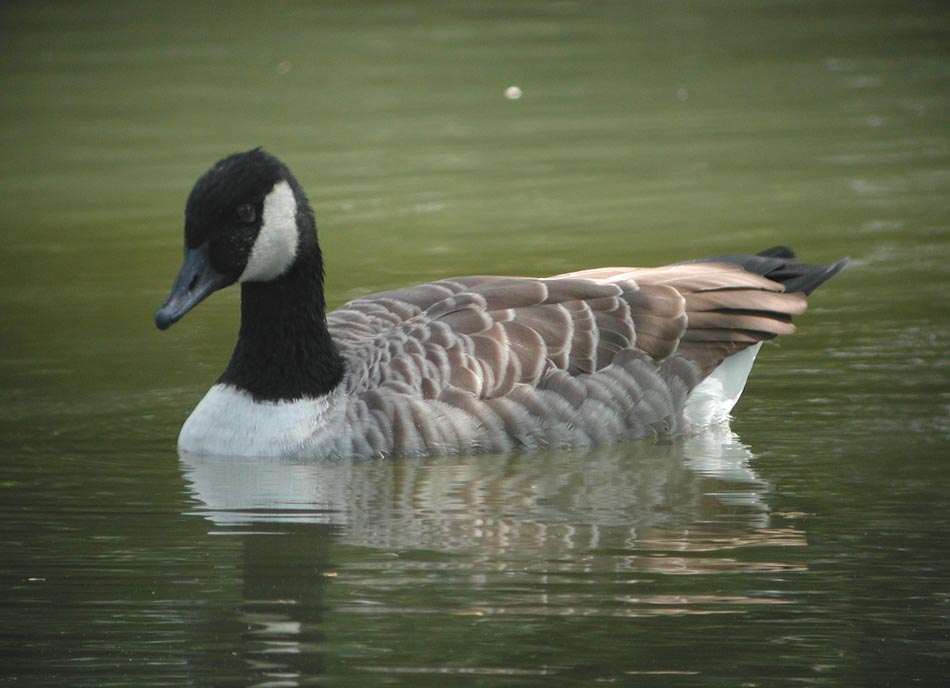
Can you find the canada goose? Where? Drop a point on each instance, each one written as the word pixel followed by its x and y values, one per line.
pixel 469 364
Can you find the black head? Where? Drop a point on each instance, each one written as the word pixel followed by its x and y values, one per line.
pixel 245 220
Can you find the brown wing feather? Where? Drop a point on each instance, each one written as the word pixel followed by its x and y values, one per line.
pixel 726 307
pixel 486 335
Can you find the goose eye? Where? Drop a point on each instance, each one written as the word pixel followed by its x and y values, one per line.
pixel 246 212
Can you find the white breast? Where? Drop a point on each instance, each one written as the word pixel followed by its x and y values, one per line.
pixel 229 422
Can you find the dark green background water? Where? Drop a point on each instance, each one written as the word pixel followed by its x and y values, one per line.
pixel 809 545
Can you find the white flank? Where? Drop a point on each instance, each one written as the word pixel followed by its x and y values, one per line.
pixel 713 398
pixel 275 248
pixel 229 422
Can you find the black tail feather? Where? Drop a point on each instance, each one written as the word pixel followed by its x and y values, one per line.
pixel 778 252
pixel 780 265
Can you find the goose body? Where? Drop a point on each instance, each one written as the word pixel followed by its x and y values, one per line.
pixel 462 365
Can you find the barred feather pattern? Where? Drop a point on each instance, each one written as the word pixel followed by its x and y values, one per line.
pixel 494 364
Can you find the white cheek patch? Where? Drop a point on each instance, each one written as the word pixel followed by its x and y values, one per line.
pixel 275 248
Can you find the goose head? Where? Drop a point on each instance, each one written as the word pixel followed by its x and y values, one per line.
pixel 246 221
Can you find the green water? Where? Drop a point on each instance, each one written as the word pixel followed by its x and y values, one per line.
pixel 808 545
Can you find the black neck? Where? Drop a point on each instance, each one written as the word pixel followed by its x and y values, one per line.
pixel 284 350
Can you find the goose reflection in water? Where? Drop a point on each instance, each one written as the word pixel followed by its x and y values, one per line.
pixel 651 500
pixel 487 537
